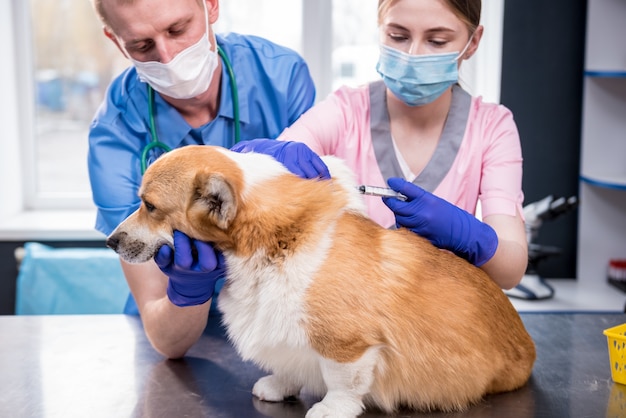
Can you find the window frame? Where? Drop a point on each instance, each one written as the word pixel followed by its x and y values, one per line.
pixel 11 185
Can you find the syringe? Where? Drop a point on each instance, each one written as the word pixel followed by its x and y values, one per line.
pixel 380 191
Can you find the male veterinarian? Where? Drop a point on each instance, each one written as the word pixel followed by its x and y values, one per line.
pixel 186 86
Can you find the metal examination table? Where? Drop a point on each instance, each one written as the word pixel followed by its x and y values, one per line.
pixel 103 366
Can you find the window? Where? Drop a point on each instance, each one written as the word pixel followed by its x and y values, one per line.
pixel 349 44
pixel 64 63
pixel 277 20
pixel 354 42
pixel 72 63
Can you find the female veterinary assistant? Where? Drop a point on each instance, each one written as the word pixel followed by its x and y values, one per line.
pixel 173 49
pixel 420 132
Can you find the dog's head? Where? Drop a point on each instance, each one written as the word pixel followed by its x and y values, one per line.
pixel 194 189
pixel 238 201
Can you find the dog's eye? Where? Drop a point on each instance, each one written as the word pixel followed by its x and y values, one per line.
pixel 149 206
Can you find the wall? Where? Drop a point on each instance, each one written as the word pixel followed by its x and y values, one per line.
pixel 542 69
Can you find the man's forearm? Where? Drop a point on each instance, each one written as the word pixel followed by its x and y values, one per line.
pixel 172 330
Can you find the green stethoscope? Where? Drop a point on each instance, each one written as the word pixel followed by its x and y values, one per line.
pixel 155 143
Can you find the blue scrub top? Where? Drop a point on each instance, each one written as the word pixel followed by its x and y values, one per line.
pixel 274 87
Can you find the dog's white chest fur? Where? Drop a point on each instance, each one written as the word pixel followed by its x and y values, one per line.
pixel 263 309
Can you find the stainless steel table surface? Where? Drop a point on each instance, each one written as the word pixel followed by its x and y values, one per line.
pixel 103 366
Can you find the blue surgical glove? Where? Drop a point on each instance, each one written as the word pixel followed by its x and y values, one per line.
pixel 444 224
pixel 296 156
pixel 193 267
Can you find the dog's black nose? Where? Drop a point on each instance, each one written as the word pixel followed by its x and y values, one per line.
pixel 113 242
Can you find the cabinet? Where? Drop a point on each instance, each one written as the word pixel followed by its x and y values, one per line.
pixel 602 210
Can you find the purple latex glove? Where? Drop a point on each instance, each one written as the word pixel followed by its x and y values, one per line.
pixel 444 224
pixel 193 267
pixel 296 156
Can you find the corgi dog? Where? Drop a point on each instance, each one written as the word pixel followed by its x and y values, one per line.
pixel 323 298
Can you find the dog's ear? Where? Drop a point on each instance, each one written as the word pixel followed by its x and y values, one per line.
pixel 214 196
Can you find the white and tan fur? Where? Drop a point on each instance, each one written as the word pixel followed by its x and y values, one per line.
pixel 325 299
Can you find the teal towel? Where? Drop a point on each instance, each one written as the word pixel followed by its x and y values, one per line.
pixel 70 281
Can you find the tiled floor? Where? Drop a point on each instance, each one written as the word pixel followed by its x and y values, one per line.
pixel 572 296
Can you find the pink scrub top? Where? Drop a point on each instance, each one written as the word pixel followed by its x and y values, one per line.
pixel 478 157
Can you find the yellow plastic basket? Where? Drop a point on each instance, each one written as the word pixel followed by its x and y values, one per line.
pixel 616 339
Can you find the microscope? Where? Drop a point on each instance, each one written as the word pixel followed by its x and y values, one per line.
pixel 532 285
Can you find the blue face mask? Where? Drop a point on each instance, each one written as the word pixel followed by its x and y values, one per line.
pixel 418 79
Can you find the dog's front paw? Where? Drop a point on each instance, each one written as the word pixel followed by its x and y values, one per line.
pixel 333 406
pixel 320 410
pixel 272 388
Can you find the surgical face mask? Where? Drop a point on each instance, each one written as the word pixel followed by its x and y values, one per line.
pixel 418 79
pixel 187 75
